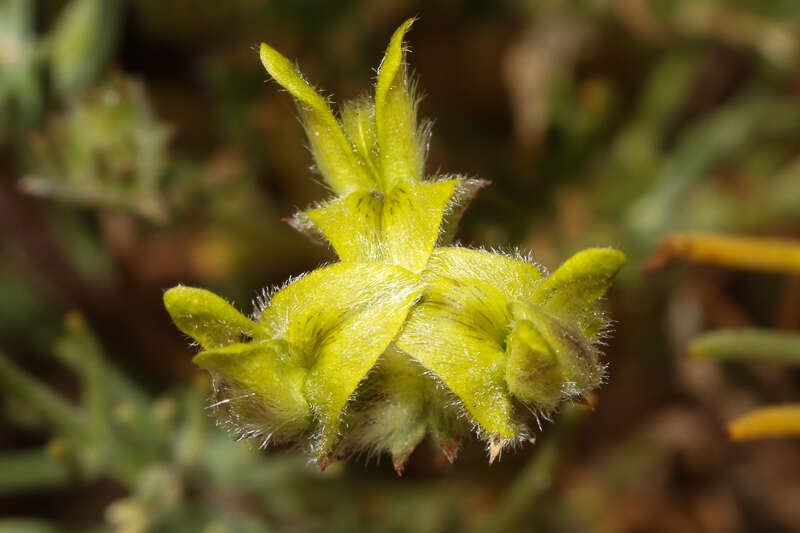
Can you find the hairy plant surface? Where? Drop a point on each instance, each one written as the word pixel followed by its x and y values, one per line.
pixel 407 335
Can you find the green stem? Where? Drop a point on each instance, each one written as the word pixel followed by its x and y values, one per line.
pixel 53 409
pixel 748 345
pixel 31 470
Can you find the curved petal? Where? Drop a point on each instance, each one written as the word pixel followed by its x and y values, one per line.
pixel 336 159
pixel 572 290
pixel 402 147
pixel 207 318
pixel 578 365
pixel 533 373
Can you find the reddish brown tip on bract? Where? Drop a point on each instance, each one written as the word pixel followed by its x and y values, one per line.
pixel 450 449
pixel 495 447
pixel 399 463
pixel 589 401
pixel 325 462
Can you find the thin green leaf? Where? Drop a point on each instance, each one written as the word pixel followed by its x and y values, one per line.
pixel 81 43
pixel 336 158
pixel 50 407
pixel 401 150
pixel 32 470
pixel 748 345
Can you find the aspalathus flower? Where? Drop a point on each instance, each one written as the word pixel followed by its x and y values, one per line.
pixel 406 336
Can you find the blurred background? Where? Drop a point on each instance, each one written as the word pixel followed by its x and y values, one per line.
pixel 141 146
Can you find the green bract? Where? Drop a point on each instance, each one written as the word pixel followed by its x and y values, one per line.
pixel 405 337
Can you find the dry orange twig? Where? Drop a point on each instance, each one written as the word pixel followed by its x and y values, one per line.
pixel 776 421
pixel 750 253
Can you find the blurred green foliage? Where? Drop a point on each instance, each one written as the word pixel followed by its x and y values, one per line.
pixel 166 160
pixel 108 152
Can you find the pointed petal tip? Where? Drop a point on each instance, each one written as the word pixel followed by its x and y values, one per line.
pixel 406 25
pixel 391 60
pixel 401 30
pixel 267 55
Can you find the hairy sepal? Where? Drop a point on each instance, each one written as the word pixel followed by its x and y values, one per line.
pixel 337 321
pixel 576 368
pixel 264 392
pixel 400 227
pixel 395 409
pixel 358 122
pixel 533 373
pixel 497 331
pixel 458 330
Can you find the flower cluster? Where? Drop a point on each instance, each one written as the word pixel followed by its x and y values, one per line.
pixel 405 337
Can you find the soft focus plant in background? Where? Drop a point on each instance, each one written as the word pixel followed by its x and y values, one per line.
pixel 599 123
